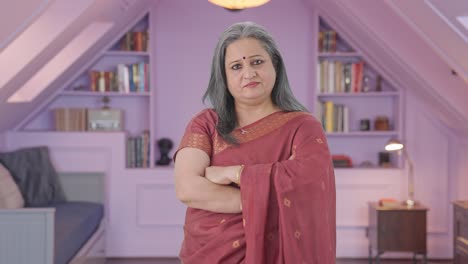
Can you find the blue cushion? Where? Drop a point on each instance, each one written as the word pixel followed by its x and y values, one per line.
pixel 75 223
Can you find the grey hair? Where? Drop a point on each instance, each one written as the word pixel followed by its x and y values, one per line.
pixel 217 92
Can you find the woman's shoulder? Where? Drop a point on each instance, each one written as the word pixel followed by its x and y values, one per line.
pixel 301 120
pixel 206 115
pixel 301 117
pixel 207 118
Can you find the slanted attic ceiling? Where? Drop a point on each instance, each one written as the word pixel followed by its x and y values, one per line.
pixel 18 17
pixel 395 37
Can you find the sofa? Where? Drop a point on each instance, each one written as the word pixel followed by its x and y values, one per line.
pixel 38 224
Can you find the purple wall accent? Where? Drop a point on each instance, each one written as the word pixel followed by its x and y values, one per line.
pixel 185 35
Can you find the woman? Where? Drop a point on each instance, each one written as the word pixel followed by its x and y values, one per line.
pixel 255 171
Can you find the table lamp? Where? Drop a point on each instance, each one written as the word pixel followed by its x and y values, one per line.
pixel 396 145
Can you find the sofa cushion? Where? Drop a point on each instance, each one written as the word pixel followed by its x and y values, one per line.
pixel 10 195
pixel 75 223
pixel 35 175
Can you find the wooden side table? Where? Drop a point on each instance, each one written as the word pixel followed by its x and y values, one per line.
pixel 399 228
pixel 460 232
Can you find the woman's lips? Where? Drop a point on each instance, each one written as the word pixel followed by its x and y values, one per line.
pixel 251 84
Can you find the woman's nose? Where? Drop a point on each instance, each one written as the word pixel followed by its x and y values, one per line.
pixel 249 73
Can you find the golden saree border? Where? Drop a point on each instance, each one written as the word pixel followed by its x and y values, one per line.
pixel 195 140
pixel 258 130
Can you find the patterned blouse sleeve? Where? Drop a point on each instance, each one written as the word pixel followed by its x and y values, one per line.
pixel 198 133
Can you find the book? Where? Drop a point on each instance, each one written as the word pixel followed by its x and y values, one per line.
pixel 389 202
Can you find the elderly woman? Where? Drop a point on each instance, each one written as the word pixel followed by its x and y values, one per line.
pixel 255 170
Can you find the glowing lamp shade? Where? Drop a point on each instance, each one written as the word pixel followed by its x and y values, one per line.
pixel 393 145
pixel 238 4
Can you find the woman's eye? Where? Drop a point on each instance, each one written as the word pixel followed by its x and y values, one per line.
pixel 257 62
pixel 236 67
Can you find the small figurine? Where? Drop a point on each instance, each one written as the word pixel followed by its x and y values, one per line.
pixel 165 146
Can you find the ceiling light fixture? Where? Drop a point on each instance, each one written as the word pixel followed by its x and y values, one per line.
pixel 238 4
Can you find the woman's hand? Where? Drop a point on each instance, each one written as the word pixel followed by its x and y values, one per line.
pixel 222 175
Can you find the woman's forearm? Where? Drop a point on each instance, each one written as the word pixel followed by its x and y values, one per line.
pixel 196 191
pixel 201 193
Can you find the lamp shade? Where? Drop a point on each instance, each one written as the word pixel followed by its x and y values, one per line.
pixel 393 145
pixel 238 4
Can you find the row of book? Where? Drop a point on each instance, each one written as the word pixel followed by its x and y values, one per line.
pixel 87 119
pixel 70 119
pixel 340 77
pixel 327 41
pixel 334 117
pixel 134 41
pixel 138 150
pixel 126 79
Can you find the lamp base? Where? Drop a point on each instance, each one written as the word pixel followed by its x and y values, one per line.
pixel 410 203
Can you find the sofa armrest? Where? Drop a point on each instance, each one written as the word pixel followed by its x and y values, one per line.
pixel 27 235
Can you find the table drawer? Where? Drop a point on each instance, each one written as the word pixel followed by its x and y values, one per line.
pixel 461 215
pixel 461 225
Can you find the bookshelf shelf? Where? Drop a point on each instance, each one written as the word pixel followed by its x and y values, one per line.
pixel 98 94
pixel 351 95
pixel 360 94
pixel 362 134
pixel 339 54
pixel 376 169
pixel 117 77
pixel 126 53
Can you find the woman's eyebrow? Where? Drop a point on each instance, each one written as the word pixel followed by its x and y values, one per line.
pixel 257 55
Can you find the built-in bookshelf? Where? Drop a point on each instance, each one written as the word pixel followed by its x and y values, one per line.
pixel 117 83
pixel 359 109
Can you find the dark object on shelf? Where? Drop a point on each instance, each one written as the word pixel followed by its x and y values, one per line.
pixel 366 164
pixel 364 124
pixel 80 88
pixel 397 228
pixel 378 86
pixel 105 102
pixel 164 145
pixel 460 232
pixel 384 159
pixel 381 123
pixel 342 161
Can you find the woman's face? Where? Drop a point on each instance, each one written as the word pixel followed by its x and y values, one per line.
pixel 249 71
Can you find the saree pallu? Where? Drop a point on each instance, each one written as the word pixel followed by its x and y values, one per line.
pixel 288 204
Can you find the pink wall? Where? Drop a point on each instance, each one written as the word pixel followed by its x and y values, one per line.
pixel 185 35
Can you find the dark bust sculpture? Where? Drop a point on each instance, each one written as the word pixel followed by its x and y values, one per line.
pixel 165 146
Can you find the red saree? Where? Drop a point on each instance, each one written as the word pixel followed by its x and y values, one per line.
pixel 288 205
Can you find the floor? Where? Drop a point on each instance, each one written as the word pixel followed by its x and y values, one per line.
pixel 340 261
